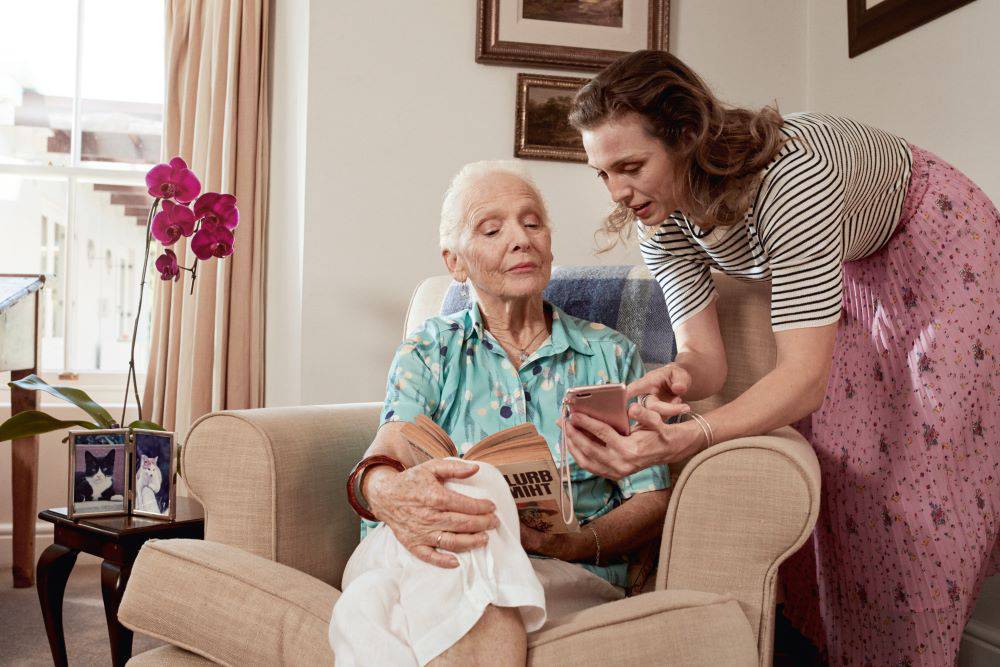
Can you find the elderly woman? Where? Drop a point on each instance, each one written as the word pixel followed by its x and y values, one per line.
pixel 445 576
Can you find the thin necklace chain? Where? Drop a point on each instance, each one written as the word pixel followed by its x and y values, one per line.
pixel 522 350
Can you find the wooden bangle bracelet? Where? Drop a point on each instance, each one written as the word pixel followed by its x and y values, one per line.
pixel 354 494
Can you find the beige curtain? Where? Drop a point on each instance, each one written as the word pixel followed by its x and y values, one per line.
pixel 208 347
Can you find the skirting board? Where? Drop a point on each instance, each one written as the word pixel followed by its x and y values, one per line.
pixel 977 653
pixel 43 538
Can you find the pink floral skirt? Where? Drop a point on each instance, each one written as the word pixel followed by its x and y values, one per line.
pixel 908 438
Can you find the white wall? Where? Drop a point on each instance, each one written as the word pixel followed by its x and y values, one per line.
pixel 395 105
pixel 286 202
pixel 937 86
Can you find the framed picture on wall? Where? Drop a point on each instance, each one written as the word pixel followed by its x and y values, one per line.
pixel 541 128
pixel 874 22
pixel 568 34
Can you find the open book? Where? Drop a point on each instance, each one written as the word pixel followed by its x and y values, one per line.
pixel 520 454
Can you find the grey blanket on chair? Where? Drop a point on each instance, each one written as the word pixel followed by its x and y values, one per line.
pixel 625 298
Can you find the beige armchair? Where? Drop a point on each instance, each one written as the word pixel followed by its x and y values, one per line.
pixel 278 531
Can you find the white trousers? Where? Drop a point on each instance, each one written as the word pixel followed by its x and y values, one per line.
pixel 398 610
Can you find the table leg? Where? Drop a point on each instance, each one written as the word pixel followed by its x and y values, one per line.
pixel 113 580
pixel 24 487
pixel 54 566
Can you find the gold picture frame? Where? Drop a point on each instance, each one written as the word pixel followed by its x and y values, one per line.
pixel 541 128
pixel 505 36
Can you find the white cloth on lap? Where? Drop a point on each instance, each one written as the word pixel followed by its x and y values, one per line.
pixel 399 610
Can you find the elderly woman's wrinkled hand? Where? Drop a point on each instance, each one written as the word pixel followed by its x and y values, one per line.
pixel 425 516
pixel 603 451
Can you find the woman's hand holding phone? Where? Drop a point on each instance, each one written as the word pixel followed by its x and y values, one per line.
pixel 604 450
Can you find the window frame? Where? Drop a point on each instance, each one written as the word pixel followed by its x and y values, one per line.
pixel 111 173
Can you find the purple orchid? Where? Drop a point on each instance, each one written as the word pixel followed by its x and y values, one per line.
pixel 173 222
pixel 166 264
pixel 212 240
pixel 173 181
pixel 213 208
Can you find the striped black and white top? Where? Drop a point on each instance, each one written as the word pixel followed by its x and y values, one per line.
pixel 834 193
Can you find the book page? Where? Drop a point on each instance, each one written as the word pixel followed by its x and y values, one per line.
pixel 508 434
pixel 438 433
pixel 423 445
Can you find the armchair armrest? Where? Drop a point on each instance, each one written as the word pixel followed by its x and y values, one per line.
pixel 227 605
pixel 738 510
pixel 272 481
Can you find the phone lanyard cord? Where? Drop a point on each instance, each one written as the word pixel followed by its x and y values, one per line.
pixel 565 481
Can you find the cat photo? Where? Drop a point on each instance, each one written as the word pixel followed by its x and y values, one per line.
pixel 99 467
pixel 148 482
pixel 152 481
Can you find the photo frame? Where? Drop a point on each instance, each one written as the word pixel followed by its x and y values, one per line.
pixel 565 35
pixel 541 128
pixel 114 472
pixel 872 23
pixel 98 473
pixel 153 492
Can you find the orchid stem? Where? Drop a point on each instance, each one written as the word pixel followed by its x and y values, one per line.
pixel 194 273
pixel 135 327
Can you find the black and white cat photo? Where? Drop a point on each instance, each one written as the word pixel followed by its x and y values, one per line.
pixel 96 482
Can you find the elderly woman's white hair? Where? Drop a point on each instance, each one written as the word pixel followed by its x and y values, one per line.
pixel 454 208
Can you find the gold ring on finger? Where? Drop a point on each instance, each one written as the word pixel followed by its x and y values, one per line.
pixel 437 545
pixel 643 399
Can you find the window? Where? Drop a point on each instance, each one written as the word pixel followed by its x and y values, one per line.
pixel 81 108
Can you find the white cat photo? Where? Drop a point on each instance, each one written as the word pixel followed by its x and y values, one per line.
pixel 148 480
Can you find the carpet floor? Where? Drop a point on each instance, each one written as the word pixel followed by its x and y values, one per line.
pixel 22 632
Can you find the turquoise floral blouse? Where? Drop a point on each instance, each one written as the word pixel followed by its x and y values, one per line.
pixel 455 372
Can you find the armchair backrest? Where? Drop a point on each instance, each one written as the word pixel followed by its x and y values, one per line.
pixel 744 318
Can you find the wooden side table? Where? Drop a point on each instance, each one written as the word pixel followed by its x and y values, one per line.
pixel 116 539
pixel 19 333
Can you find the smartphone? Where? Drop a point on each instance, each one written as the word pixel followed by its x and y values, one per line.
pixel 604 402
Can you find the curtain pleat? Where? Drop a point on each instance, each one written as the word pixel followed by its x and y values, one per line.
pixel 208 347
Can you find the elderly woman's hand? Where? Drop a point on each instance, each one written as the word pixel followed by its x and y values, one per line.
pixel 425 516
pixel 564 546
pixel 600 449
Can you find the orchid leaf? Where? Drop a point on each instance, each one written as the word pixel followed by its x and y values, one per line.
pixel 32 422
pixel 77 397
pixel 149 426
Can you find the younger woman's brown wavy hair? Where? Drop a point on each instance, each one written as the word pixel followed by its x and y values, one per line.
pixel 719 151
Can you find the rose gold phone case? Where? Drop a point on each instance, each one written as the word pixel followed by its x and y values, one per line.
pixel 604 402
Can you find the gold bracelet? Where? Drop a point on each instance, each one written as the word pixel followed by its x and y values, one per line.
pixel 706 428
pixel 703 421
pixel 597 541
